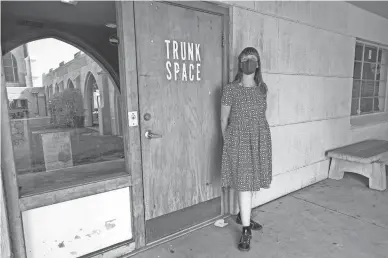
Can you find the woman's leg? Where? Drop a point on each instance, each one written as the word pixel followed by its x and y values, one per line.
pixel 245 203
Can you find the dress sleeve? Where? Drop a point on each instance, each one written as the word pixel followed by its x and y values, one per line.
pixel 227 95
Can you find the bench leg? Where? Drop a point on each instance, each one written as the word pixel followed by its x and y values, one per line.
pixel 335 171
pixel 378 178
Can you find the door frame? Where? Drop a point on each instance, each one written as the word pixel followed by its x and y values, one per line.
pixel 129 88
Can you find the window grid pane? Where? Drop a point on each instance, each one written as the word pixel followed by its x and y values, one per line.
pixel 383 56
pixel 357 70
pixel 367 88
pixel 356 88
pixel 359 50
pixel 370 54
pixel 379 105
pixel 369 79
pixel 366 105
pixel 381 88
pixel 354 109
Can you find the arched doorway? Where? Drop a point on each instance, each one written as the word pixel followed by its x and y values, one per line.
pixel 92 101
pixel 56 88
pixel 50 91
pixel 70 84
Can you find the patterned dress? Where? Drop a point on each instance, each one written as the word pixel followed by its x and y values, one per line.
pixel 247 150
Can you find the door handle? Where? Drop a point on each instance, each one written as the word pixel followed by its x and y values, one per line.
pixel 149 135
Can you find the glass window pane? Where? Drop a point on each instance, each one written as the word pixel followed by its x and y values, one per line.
pixel 368 72
pixel 357 70
pixel 382 72
pixel 69 137
pixel 379 104
pixel 367 89
pixel 366 105
pixel 358 55
pixel 383 56
pixel 356 89
pixel 380 88
pixel 354 107
pixel 370 54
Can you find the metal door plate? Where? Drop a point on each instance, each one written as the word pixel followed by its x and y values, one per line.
pixel 132 119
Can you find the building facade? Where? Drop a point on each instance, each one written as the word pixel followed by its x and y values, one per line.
pixel 100 95
pixel 25 100
pixel 325 64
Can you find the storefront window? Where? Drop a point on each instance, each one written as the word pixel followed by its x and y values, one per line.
pixel 66 135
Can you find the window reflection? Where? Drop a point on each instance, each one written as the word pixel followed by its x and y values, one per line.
pixel 70 117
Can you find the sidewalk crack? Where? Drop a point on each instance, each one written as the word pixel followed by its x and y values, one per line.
pixel 336 211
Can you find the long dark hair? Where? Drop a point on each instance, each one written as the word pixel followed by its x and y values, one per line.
pixel 258 77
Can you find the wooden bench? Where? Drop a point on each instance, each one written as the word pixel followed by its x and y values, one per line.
pixel 367 158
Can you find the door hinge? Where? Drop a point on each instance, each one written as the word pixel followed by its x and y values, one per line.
pixel 222 40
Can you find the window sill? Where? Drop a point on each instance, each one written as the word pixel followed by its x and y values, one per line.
pixel 368 120
pixel 46 188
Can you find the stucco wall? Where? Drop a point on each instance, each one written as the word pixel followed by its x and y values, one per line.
pixel 307 52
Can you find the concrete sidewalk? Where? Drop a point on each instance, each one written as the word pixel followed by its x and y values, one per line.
pixel 329 219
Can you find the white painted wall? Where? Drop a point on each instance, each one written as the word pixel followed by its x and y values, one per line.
pixel 307 53
pixel 78 227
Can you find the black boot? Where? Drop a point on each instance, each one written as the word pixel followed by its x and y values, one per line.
pixel 245 240
pixel 253 225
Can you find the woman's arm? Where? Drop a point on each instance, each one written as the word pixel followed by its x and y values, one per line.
pixel 225 111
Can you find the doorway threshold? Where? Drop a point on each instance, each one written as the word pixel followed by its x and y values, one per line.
pixel 176 235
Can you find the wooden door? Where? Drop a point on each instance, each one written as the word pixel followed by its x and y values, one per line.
pixel 180 75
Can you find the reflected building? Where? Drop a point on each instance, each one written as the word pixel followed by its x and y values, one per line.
pixel 101 98
pixel 24 100
pixel 78 100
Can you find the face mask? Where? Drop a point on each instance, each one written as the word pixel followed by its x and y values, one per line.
pixel 249 66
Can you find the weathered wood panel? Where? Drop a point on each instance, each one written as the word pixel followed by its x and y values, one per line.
pixel 376 131
pixel 287 183
pixel 330 16
pixel 43 182
pixel 10 180
pixel 298 145
pixel 75 192
pixel 339 17
pixel 5 245
pixel 184 164
pixel 129 91
pixel 115 251
pixel 366 25
pixel 368 151
pixel 291 48
pixel 295 99
pixel 308 111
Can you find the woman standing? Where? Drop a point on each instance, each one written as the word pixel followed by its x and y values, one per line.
pixel 247 150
